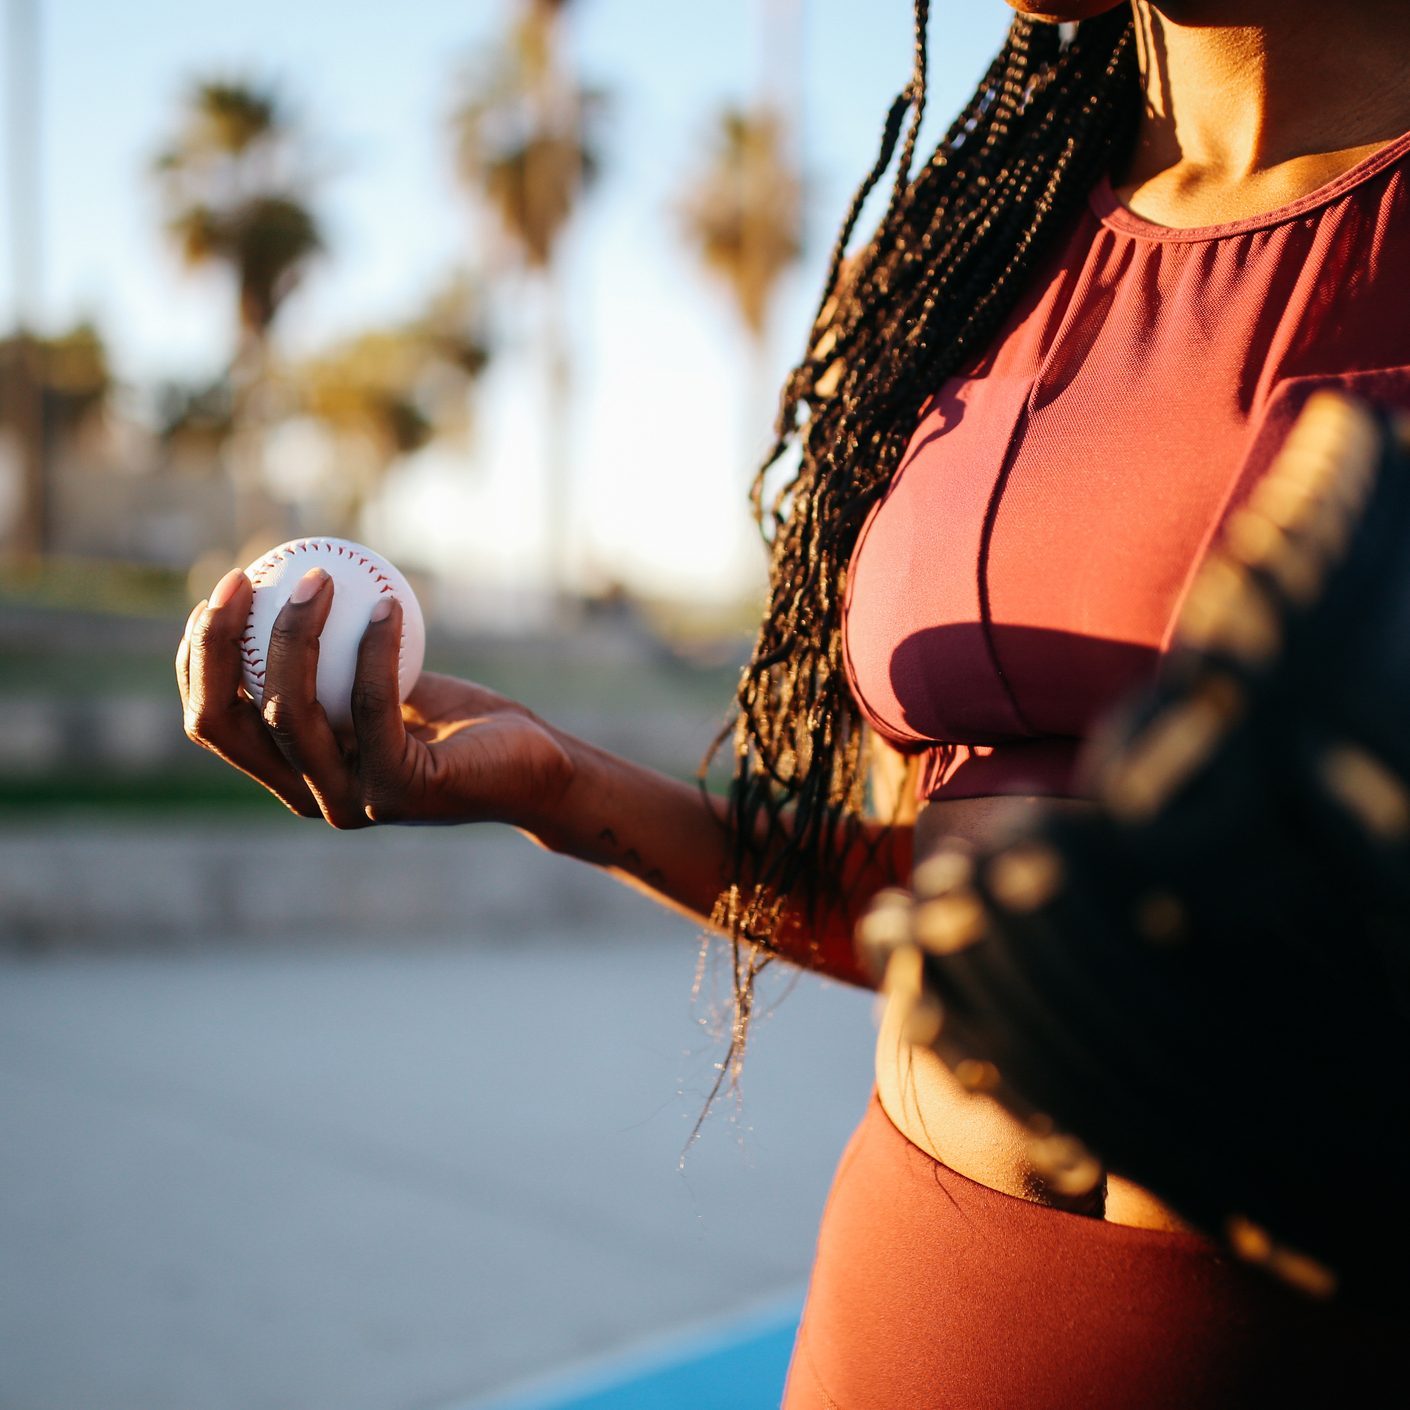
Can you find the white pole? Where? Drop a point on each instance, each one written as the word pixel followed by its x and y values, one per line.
pixel 22 121
pixel 26 384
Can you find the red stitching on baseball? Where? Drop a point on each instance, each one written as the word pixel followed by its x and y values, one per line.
pixel 262 575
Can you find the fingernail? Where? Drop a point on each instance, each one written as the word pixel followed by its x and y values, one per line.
pixel 225 589
pixel 382 608
pixel 309 586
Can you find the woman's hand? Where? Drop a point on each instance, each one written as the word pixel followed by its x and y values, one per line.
pixel 453 752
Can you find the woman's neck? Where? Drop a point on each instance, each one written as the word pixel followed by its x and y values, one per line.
pixel 1251 104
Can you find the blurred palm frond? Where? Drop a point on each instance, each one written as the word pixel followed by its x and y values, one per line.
pixel 742 213
pixel 230 181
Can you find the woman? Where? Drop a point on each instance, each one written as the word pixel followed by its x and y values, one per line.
pixel 1055 366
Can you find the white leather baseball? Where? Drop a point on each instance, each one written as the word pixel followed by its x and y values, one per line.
pixel 360 578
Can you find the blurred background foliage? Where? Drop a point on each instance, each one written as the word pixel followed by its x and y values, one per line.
pixel 121 502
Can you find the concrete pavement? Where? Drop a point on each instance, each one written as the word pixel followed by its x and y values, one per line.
pixel 332 1167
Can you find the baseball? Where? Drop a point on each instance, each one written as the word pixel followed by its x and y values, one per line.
pixel 360 577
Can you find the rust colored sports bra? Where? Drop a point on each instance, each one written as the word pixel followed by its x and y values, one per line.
pixel 1025 566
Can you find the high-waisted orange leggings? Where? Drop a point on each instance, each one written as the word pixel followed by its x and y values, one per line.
pixel 931 1291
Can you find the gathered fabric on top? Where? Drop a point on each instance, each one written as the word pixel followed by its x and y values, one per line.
pixel 1026 565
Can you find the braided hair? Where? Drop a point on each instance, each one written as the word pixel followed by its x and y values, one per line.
pixel 920 301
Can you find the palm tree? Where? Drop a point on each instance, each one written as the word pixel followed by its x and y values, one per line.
pixel 522 134
pixel 387 392
pixel 742 215
pixel 72 375
pixel 743 212
pixel 54 396
pixel 230 181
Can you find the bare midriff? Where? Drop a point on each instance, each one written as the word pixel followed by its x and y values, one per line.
pixel 969 1131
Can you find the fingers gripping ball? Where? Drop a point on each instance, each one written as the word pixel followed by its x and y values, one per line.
pixel 360 578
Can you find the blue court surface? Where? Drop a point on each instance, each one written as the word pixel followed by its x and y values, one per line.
pixel 737 1363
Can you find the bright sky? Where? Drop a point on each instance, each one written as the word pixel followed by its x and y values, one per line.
pixel 661 432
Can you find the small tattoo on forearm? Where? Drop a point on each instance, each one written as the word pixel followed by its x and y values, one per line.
pixel 631 860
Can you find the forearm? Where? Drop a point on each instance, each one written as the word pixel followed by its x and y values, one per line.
pixel 665 838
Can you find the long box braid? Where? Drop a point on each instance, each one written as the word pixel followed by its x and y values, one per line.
pixel 919 302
